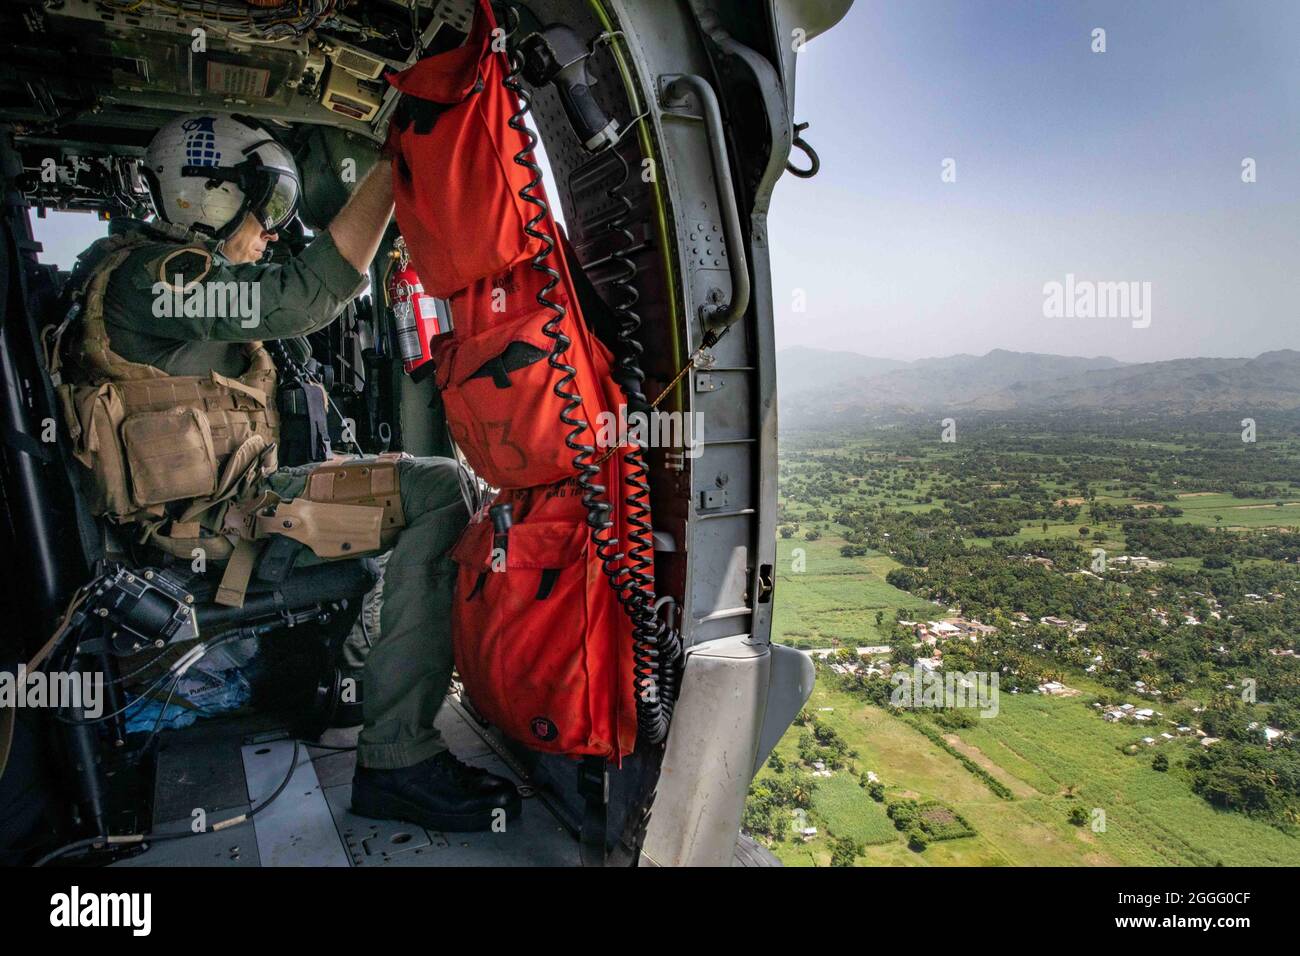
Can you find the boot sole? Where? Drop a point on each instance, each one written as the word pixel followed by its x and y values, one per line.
pixel 390 807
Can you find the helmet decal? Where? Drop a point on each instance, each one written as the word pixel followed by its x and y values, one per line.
pixel 208 171
pixel 201 142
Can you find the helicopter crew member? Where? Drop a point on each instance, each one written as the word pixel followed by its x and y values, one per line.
pixel 221 188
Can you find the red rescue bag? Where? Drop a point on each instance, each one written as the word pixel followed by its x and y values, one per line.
pixel 542 645
pixel 456 184
pixel 499 386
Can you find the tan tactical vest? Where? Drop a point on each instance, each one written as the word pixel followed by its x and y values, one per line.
pixel 148 439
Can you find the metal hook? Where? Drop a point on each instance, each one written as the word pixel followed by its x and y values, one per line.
pixel 618 137
pixel 814 160
pixel 512 14
pixel 606 37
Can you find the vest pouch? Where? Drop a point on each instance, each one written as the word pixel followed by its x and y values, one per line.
pixel 169 455
pixel 147 438
pixel 502 410
pixel 533 638
pixel 93 415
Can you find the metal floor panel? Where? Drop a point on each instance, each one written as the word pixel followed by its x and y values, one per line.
pixel 311 824
pixel 297 829
pixel 202 772
pixel 236 846
pixel 533 839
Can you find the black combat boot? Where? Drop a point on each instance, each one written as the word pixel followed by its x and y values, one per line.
pixel 440 793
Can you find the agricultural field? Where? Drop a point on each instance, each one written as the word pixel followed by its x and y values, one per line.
pixel 829 600
pixel 893 526
pixel 1055 755
pixel 847 811
pixel 1229 512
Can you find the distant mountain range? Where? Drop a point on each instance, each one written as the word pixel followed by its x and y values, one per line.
pixel 814 384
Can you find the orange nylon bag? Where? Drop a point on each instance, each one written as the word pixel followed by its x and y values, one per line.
pixel 542 645
pixel 455 182
pixel 499 386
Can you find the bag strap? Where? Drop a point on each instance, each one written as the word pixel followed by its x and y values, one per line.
pixel 239 476
pixel 182 538
pixel 593 787
pixel 238 573
pixel 239 385
pixel 93 351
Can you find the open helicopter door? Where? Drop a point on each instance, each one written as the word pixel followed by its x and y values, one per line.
pixel 666 127
pixel 665 196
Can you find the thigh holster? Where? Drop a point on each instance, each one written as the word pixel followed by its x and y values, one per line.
pixel 372 483
pixel 345 511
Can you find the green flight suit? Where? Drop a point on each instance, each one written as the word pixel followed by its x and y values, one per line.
pixel 408 668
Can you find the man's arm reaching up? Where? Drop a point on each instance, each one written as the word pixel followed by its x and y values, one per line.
pixel 360 225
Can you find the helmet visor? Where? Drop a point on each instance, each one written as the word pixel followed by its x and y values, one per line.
pixel 281 200
pixel 270 192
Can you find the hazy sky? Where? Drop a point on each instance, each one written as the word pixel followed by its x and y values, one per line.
pixel 1117 166
pixel 1122 165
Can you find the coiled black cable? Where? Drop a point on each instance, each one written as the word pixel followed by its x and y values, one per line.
pixel 655 659
pixel 656 650
pixel 593 492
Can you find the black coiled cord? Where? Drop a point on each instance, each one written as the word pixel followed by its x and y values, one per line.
pixel 597 510
pixel 656 653
pixel 656 650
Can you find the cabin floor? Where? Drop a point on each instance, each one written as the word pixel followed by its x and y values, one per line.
pixel 228 765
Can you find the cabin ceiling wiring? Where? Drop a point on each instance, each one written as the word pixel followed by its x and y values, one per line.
pixel 290 19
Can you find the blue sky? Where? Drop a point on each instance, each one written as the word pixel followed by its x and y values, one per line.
pixel 1115 166
pixel 1122 165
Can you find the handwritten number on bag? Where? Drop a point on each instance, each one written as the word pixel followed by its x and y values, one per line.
pixel 504 428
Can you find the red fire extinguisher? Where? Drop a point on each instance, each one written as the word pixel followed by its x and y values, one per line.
pixel 417 317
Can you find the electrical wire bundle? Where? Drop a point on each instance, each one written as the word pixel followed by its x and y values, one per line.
pixel 170 678
pixel 261 19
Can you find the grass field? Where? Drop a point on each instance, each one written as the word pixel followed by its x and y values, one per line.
pixel 1053 754
pixel 848 811
pixel 825 598
pixel 1052 747
pixel 1057 745
pixel 1239 512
